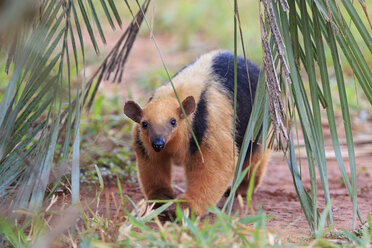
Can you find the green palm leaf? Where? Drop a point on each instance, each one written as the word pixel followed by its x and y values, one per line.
pixel 33 104
pixel 315 21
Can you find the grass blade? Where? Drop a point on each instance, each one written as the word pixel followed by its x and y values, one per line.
pixel 346 118
pixel 256 109
pixel 170 80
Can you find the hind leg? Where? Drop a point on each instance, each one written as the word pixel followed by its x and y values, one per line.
pixel 258 162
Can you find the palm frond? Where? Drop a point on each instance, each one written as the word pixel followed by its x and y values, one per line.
pixel 42 52
pixel 115 60
pixel 297 32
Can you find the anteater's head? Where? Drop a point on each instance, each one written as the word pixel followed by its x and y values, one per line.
pixel 160 118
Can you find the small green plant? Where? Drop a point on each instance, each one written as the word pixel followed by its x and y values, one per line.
pixel 143 227
pixel 105 141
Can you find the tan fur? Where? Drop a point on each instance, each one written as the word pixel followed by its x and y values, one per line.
pixel 206 182
pixel 256 160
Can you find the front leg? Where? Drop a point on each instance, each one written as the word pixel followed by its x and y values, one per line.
pixel 155 178
pixel 206 182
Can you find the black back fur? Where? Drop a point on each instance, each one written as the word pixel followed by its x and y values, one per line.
pixel 223 68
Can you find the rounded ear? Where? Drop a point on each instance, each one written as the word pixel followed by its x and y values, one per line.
pixel 189 106
pixel 133 111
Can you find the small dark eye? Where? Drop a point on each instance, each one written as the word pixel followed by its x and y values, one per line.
pixel 173 122
pixel 144 124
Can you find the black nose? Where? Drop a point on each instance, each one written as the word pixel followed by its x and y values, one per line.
pixel 158 144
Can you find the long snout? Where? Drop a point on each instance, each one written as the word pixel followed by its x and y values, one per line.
pixel 158 144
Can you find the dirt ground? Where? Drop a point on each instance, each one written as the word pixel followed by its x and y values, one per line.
pixel 276 193
pixel 278 198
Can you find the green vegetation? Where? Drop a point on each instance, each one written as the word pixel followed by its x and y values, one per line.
pixel 290 41
pixel 48 141
pixel 144 227
pixel 105 141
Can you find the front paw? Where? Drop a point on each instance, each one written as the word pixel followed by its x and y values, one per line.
pixel 170 214
pixel 162 194
pixel 195 205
